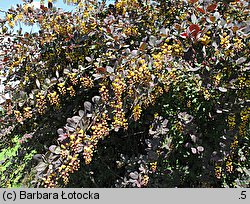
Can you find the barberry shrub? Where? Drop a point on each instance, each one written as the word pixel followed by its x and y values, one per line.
pixel 132 94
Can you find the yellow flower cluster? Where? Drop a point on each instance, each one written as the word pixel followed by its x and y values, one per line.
pixel 122 5
pixel 145 180
pixel 224 40
pixel 72 164
pixel 86 14
pixel 229 52
pixel 179 126
pixel 217 79
pixel 65 176
pixel 189 103
pixel 100 129
pixel 86 82
pixel 177 49
pixel 50 181
pixel 84 27
pixel 40 103
pixel 153 166
pixel 174 48
pixel 54 98
pixel 238 44
pixel 118 86
pixel 75 163
pixel 61 88
pixel 139 74
pixel 168 78
pixel 148 101
pixel 75 142
pixel 88 152
pixel 130 91
pixel 229 165
pixel 206 94
pixel 27 112
pixel 19 116
pixel 218 171
pixel 60 29
pixel 205 39
pixel 242 82
pixel 10 19
pixel 131 31
pixel 69 152
pixel 231 121
pixel 158 63
pixel 137 112
pixel 234 144
pixel 73 78
pixel 242 129
pixel 104 92
pixel 72 91
pixel 157 92
pixel 244 115
pixel 119 119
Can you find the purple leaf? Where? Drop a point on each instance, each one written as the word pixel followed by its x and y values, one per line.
pixel 134 175
pixel 200 149
pixel 194 151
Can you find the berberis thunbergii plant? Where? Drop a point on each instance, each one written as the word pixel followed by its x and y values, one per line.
pixel 137 93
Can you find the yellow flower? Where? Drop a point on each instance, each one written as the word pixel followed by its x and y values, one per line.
pixel 40 103
pixel 9 16
pixel 231 121
pixel 137 112
pixel 153 166
pixel 238 45
pixel 71 91
pixel 224 40
pixel 207 95
pixel 218 172
pixel 54 98
pixel 229 165
pixel 205 39
pixel 234 144
pixel 18 116
pixel 27 112
pixel 61 88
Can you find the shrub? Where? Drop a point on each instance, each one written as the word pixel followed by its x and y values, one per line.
pixel 135 94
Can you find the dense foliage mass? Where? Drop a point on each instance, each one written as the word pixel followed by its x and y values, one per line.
pixel 136 94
